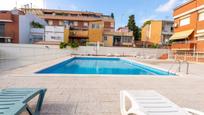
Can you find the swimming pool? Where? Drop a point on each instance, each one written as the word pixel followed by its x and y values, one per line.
pixel 92 65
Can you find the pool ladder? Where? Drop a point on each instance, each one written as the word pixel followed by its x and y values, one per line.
pixel 179 66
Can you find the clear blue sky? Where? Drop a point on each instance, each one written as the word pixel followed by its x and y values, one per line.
pixel 142 9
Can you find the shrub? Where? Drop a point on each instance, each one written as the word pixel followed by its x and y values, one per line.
pixel 74 44
pixel 36 25
pixel 155 46
pixel 63 45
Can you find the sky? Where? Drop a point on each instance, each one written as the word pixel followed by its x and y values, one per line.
pixel 142 9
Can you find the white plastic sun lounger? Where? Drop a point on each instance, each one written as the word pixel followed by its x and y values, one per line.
pixel 150 103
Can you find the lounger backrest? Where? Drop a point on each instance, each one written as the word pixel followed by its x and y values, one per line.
pixel 152 103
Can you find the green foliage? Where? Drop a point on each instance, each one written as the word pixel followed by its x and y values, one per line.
pixel 132 26
pixel 112 15
pixel 36 25
pixel 71 44
pixel 155 46
pixel 74 44
pixel 63 45
pixel 146 23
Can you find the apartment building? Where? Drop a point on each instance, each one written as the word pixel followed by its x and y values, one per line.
pixel 15 26
pixel 189 27
pixel 9 22
pixel 82 27
pixel 157 32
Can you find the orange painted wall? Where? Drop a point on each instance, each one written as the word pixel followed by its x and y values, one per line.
pixel 200 2
pixel 200 25
pixel 155 32
pixel 156 29
pixel 145 33
pixel 185 8
pixel 200 46
pixel 194 24
pixel 96 35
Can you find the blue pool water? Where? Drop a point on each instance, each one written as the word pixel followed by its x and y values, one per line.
pixel 116 66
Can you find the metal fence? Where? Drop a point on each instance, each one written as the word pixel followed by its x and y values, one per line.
pixel 189 56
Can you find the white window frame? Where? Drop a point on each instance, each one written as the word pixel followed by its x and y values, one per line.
pixel 50 22
pixel 61 23
pixel 185 21
pixel 201 16
pixel 200 38
pixel 75 23
pixel 112 25
pixel 86 24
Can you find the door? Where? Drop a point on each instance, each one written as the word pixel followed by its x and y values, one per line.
pixel 2 40
pixel 1 29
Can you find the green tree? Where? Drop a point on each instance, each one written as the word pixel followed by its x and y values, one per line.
pixel 112 15
pixel 132 26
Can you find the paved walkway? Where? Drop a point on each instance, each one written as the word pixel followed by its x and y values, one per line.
pixel 100 95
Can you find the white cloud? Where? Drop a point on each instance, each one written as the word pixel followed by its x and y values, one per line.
pixel 168 6
pixel 10 4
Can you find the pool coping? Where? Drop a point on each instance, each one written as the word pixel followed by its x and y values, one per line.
pixel 33 71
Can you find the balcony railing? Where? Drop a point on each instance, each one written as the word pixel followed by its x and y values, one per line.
pixel 182 46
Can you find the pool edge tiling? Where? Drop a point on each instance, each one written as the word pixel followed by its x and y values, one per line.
pixel 103 66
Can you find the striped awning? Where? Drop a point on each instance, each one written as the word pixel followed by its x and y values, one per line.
pixel 181 35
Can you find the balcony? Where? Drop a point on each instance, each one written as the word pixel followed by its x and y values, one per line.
pixel 182 46
pixel 78 33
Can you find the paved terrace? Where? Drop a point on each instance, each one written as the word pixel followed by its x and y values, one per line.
pixel 100 95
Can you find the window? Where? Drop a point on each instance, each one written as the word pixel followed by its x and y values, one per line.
pixel 50 22
pixel 95 26
pixel 66 22
pixel 185 21
pixel 172 29
pixel 201 16
pixel 71 23
pixel 127 39
pixel 112 25
pixel 105 38
pixel 75 23
pixel 61 23
pixel 86 24
pixel 201 38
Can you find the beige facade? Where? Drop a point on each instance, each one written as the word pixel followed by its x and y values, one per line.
pixel 84 27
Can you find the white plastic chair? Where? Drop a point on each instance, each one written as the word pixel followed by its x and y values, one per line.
pixel 151 103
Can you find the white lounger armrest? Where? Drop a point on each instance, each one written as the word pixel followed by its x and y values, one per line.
pixel 196 112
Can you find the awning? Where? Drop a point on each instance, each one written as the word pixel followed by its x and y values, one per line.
pixel 181 35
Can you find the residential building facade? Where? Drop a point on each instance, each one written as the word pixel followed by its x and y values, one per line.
pixel 82 27
pixel 157 32
pixel 9 24
pixel 189 27
pixel 15 26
